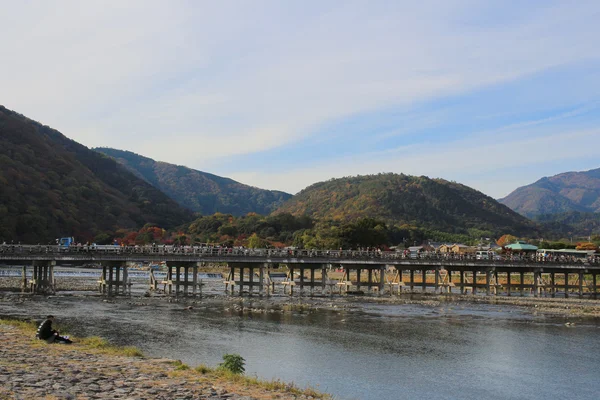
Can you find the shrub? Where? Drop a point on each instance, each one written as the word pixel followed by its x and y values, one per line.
pixel 233 363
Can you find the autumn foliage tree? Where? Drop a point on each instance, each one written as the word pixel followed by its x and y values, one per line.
pixel 506 239
pixel 586 246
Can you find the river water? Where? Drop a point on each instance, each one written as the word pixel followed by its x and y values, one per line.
pixel 353 350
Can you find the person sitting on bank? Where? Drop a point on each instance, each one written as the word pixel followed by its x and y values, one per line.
pixel 45 332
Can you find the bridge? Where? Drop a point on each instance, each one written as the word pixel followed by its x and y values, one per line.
pixel 252 268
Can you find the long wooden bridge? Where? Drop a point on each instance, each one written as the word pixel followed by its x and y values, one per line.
pixel 375 271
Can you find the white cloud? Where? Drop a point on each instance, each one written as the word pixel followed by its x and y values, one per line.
pixel 187 82
pixel 485 163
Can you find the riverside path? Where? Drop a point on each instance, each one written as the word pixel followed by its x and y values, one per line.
pixel 250 270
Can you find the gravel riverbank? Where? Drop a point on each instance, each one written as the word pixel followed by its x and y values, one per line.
pixel 32 369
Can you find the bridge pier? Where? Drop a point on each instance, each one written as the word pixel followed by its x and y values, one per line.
pixel 42 280
pixel 242 281
pixel 522 283
pixel 312 283
pixel 114 278
pixel 372 283
pixel 174 282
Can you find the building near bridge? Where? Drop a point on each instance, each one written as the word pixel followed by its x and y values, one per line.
pixel 457 248
pixel 521 247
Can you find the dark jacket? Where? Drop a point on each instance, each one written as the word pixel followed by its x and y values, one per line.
pixel 45 330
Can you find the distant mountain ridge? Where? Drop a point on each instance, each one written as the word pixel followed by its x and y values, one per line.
pixel 562 193
pixel 432 203
pixel 199 191
pixel 52 186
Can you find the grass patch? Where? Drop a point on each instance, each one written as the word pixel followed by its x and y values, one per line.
pixel 27 327
pixel 273 385
pixel 179 366
pixel 203 369
pixel 102 345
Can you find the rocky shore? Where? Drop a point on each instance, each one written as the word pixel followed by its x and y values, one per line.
pixel 32 369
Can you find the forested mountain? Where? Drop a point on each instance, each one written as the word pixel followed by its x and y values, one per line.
pixel 570 191
pixel 52 186
pixel 401 199
pixel 570 224
pixel 199 191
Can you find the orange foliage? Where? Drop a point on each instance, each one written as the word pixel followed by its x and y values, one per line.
pixel 586 246
pixel 506 239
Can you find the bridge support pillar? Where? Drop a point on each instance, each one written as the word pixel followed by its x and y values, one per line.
pixel 522 283
pixel 580 284
pixel 174 282
pixel 537 277
pixel 400 280
pixel 462 281
pixel 242 281
pixel 566 285
pixel 24 284
pixel 552 285
pixel 114 278
pixel 496 282
pixel 424 280
pixel 301 280
pixel 594 285
pixel 474 291
pixel 42 280
pixel 508 284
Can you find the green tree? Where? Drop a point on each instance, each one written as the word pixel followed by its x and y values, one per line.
pixel 233 363
pixel 255 242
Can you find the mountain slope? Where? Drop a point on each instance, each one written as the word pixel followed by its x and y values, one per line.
pixel 52 186
pixel 199 191
pixel 570 224
pixel 431 203
pixel 566 192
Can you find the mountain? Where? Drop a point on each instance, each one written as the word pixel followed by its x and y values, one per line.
pixel 570 224
pixel 431 203
pixel 566 192
pixel 199 191
pixel 52 186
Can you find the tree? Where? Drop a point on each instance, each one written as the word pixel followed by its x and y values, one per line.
pixel 586 246
pixel 233 363
pixel 254 242
pixel 506 239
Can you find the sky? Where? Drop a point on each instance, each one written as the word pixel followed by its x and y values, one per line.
pixel 283 94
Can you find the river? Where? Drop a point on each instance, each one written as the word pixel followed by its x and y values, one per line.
pixel 353 350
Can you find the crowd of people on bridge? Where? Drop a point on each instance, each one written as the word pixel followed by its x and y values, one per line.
pixel 240 251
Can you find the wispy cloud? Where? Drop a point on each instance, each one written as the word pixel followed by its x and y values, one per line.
pixel 209 84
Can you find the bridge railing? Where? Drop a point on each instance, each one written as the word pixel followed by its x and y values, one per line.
pixel 241 253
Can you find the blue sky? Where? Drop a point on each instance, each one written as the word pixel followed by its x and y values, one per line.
pixel 280 95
